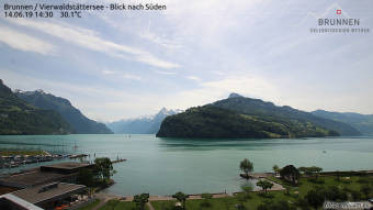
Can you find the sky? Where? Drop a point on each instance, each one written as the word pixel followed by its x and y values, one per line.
pixel 124 64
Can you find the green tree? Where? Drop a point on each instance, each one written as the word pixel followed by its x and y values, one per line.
pixel 241 198
pixel 264 184
pixel 247 190
pixel 141 200
pixel 279 205
pixel 276 169
pixel 290 172
pixel 246 166
pixel 302 204
pixel 181 197
pixel 206 199
pixel 316 171
pixel 366 190
pixel 104 168
pixel 311 171
pixel 86 177
pixel 315 198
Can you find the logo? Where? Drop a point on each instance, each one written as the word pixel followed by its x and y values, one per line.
pixel 338 22
pixel 330 205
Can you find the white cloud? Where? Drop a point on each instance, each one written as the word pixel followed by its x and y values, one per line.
pixel 131 77
pixel 194 78
pixel 161 41
pixel 108 72
pixel 165 72
pixel 23 42
pixel 89 39
pixel 208 92
pixel 119 74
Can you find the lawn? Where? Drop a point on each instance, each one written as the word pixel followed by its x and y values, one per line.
pixel 91 205
pixel 119 205
pixel 257 198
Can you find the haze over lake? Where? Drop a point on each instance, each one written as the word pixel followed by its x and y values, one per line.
pixel 163 166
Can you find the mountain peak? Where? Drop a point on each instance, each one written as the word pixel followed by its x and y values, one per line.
pixel 163 110
pixel 235 95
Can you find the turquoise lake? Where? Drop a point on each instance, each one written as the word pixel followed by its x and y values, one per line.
pixel 164 166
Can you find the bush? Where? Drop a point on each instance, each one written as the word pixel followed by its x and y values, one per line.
pixel 206 197
pixel 280 205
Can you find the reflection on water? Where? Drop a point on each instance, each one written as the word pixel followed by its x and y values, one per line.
pixel 163 166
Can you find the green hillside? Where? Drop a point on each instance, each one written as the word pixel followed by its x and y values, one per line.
pixel 239 117
pixel 363 123
pixel 80 123
pixel 285 114
pixel 18 117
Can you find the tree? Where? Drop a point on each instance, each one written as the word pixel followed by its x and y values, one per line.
pixel 141 200
pixel 315 198
pixel 264 184
pixel 206 197
pixel 181 197
pixel 276 169
pixel 247 189
pixel 246 166
pixel 290 172
pixel 241 198
pixel 104 168
pixel 366 190
pixel 86 177
pixel 304 170
pixel 315 171
pixel 279 205
pixel 311 171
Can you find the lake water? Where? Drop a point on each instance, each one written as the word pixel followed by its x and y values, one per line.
pixel 164 166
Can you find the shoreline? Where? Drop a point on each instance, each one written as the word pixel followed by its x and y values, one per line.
pixel 264 175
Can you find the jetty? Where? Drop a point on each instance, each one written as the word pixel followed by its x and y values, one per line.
pixel 119 160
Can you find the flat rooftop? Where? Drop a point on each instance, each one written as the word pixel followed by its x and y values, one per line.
pixel 30 179
pixel 10 201
pixel 68 165
pixel 38 194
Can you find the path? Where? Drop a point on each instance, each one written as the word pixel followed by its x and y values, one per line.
pixel 102 203
pixel 104 197
pixel 150 206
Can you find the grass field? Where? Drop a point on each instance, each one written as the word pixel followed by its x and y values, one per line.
pixel 256 198
pixel 253 200
pixel 91 205
pixel 119 205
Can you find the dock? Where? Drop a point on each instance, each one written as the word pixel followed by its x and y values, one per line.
pixel 119 160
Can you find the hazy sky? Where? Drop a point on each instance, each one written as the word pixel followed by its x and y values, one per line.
pixel 115 65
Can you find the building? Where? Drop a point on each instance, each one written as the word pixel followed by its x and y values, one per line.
pixel 46 187
pixel 65 172
pixel 11 202
pixel 48 196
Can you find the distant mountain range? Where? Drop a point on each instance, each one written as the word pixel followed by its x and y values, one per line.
pixel 37 112
pixel 144 125
pixel 240 117
pixel 19 117
pixel 363 123
pixel 80 123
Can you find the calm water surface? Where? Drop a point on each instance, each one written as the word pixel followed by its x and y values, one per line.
pixel 164 166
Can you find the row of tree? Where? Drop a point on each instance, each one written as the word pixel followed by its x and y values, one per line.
pixel 98 176
pixel 289 172
pixel 140 200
